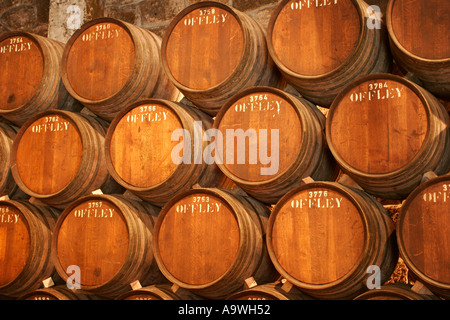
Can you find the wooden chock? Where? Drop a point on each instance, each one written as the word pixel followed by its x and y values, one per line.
pixel 420 288
pixel 131 196
pixel 250 283
pixel 307 180
pixel 287 286
pixel 428 176
pixel 98 191
pixel 239 191
pixel 346 180
pixel 136 285
pixel 48 282
pixel 36 202
pixel 174 288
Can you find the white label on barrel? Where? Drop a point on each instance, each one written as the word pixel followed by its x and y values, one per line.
pixel 200 204
pixel 206 16
pixel 376 91
pixel 306 4
pixel 16 44
pixel 259 102
pixel 51 124
pixel 438 196
pixel 94 210
pixel 317 199
pixel 147 113
pixel 103 31
pixel 41 298
pixel 6 216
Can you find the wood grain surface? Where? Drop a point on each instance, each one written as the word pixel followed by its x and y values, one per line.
pixel 423 233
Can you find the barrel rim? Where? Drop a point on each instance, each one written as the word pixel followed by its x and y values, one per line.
pixel 398 290
pixel 291 73
pixel 397 43
pixel 234 12
pixel 340 188
pixel 399 227
pixel 155 290
pixel 49 292
pixel 20 207
pixel 68 46
pixel 159 220
pixel 36 39
pixel 385 76
pixel 108 139
pixel 112 199
pixel 229 104
pixel 69 115
pixel 273 289
pixel 6 144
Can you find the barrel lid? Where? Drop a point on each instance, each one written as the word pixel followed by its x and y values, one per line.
pixel 197 237
pixel 203 45
pixel 423 233
pixel 39 295
pixel 257 295
pixel 152 292
pixel 394 291
pixel 92 233
pixel 315 37
pixel 98 60
pixel 47 153
pixel 420 28
pixel 139 143
pixel 378 125
pixel 141 295
pixel 15 241
pixel 22 65
pixel 317 235
pixel 266 132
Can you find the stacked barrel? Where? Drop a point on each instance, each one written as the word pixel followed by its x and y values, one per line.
pixel 229 161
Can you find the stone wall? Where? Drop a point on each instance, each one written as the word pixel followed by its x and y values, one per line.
pixel 24 15
pixel 155 15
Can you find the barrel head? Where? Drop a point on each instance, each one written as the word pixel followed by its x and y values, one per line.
pixel 22 64
pixel 203 46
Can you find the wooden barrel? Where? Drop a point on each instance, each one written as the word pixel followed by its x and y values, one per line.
pixel 109 238
pixel 58 156
pixel 423 237
pixel 8 186
pixel 108 64
pixel 291 131
pixel 211 51
pixel 328 239
pixel 155 147
pixel 30 81
pixel 395 291
pixel 25 246
pixel 418 33
pixel 60 292
pixel 209 241
pixel 269 291
pixel 386 132
pixel 159 292
pixel 381 4
pixel 321 46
